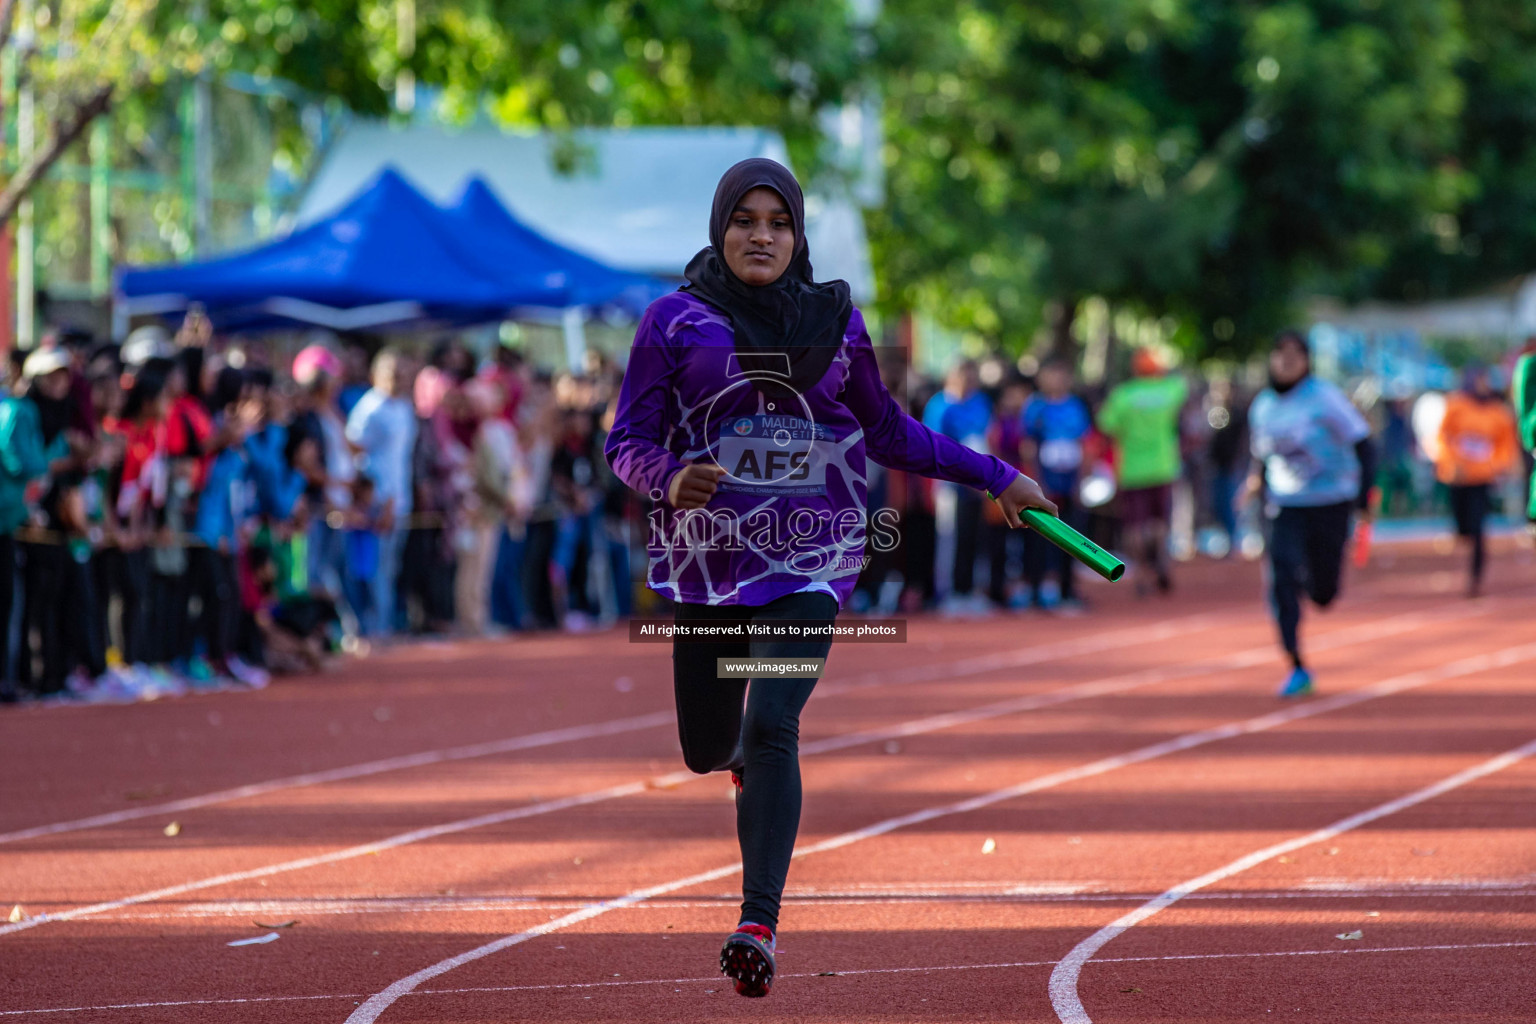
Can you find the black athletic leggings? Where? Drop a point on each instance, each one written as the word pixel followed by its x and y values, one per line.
pixel 169 619
pixel 9 593
pixel 758 736
pixel 1041 555
pixel 125 576
pixel 1469 507
pixel 45 583
pixel 1306 555
pixel 212 578
pixel 968 527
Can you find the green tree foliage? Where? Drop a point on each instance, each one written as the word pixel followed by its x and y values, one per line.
pixel 1204 162
pixel 1492 238
pixel 134 59
pixel 626 62
pixel 1195 157
pixel 547 63
pixel 74 58
pixel 1350 157
pixel 1034 154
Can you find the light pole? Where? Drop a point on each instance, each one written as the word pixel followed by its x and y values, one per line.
pixel 202 148
pixel 26 235
pixel 405 78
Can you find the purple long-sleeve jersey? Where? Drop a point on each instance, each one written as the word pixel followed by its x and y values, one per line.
pixel 791 512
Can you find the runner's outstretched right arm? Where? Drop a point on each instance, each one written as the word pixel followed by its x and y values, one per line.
pixel 898 441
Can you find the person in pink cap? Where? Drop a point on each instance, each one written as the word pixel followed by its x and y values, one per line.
pixel 499 493
pixel 314 360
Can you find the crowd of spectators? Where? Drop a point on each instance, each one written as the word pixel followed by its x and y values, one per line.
pixel 1152 467
pixel 184 513
pixel 180 514
pixel 1109 460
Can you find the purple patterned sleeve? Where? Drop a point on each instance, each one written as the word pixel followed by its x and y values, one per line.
pixel 636 446
pixel 898 441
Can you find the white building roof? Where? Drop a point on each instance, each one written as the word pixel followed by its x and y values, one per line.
pixel 1505 313
pixel 639 199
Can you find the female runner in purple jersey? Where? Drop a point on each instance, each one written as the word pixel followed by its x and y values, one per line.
pixel 749 407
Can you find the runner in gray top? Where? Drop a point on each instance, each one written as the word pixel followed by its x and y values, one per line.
pixel 1312 454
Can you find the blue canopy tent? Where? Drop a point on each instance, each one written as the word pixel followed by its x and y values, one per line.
pixel 389 257
pixel 508 248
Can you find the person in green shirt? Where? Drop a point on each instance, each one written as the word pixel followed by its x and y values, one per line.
pixel 1141 416
pixel 28 450
pixel 1523 395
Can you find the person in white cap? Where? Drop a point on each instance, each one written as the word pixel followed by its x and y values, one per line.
pixel 145 343
pixel 30 446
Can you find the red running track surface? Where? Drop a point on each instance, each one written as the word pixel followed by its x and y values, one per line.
pixel 503 832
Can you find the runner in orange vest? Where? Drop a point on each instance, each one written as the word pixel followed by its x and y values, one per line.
pixel 1478 444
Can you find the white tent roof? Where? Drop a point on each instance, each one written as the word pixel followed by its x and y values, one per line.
pixel 1507 313
pixel 639 199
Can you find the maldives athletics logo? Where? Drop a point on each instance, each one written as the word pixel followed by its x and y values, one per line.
pixel 743 426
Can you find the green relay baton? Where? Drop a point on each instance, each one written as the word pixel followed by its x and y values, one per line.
pixel 1073 543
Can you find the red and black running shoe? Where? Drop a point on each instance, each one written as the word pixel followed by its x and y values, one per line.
pixel 747 956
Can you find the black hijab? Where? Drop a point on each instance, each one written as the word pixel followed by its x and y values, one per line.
pixel 794 316
pixel 52 413
pixel 1291 337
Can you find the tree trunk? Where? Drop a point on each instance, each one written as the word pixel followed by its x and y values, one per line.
pixel 64 135
pixel 1111 351
pixel 1063 314
pixel 7 22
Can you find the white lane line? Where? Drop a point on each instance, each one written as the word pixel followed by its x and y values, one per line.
pixel 1063 987
pixel 1409 886
pixel 1251 658
pixel 176 1002
pixel 347 908
pixel 929 969
pixel 556 987
pixel 335 856
pixel 1079 691
pixel 1349 951
pixel 1094 644
pixel 354 771
pixel 990 893
pixel 381 1001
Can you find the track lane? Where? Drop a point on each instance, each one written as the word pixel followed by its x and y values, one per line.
pixel 1365 632
pixel 1065 999
pixel 381 1001
pixel 849 766
pixel 1019 657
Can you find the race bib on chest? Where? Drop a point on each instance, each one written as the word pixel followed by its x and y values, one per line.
pixel 1062 455
pixel 773 455
pixel 1473 447
pixel 1288 461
